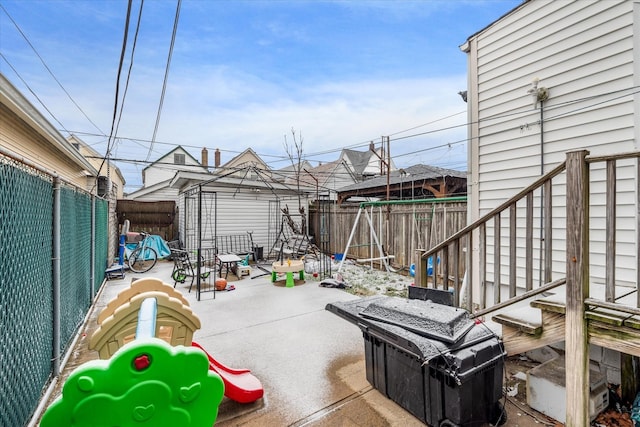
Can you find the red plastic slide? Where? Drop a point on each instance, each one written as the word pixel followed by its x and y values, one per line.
pixel 239 384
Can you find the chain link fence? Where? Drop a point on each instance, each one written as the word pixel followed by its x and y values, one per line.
pixel 28 221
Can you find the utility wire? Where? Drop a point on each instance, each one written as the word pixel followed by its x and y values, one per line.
pixel 117 95
pixel 48 69
pixel 620 94
pixel 133 51
pixel 32 91
pixel 166 76
pixel 428 123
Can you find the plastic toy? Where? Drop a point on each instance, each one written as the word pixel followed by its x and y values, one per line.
pixel 239 384
pixel 288 267
pixel 221 284
pixel 147 382
pixel 174 322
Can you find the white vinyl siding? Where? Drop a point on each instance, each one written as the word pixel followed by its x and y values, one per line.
pixel 583 52
pixel 166 167
pixel 239 210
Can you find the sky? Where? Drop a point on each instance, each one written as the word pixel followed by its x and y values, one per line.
pixel 249 74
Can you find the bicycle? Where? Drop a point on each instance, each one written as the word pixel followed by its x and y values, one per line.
pixel 143 257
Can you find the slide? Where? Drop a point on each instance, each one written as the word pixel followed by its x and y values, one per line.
pixel 239 384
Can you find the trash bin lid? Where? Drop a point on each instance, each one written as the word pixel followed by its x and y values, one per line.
pixel 425 318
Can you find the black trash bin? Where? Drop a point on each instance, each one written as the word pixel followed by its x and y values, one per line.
pixel 431 359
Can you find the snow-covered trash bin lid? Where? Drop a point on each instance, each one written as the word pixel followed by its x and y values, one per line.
pixel 425 318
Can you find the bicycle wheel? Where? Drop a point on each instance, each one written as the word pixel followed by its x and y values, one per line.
pixel 180 275
pixel 142 259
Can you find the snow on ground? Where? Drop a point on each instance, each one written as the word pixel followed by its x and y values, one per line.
pixel 361 279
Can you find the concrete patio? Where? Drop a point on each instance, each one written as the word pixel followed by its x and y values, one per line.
pixel 310 361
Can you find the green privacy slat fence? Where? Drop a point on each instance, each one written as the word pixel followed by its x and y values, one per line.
pixel 26 280
pixel 75 265
pixel 26 336
pixel 102 241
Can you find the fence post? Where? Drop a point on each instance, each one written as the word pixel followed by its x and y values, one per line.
pixel 55 295
pixel 576 334
pixel 418 279
pixel 92 280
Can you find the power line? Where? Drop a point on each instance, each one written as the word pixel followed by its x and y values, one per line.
pixel 133 51
pixel 428 123
pixel 32 91
pixel 619 94
pixel 166 76
pixel 47 68
pixel 116 99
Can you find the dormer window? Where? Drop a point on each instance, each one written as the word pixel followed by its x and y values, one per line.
pixel 178 159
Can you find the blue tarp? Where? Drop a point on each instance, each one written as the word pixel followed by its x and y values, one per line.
pixel 153 241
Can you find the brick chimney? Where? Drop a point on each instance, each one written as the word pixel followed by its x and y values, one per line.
pixel 217 158
pixel 205 157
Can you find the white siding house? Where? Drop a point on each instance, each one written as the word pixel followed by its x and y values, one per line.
pixel 156 177
pixel 585 55
pixel 166 166
pixel 235 205
pixel 325 179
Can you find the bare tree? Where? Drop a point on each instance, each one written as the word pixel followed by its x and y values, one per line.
pixel 294 152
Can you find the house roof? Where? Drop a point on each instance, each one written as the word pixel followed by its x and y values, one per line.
pixel 412 173
pixel 233 162
pixel 286 173
pixel 321 172
pixel 19 105
pixel 186 178
pixel 359 159
pixel 144 191
pixel 179 147
pixel 94 154
pixel 465 46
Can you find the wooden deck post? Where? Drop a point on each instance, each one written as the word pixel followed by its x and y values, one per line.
pixel 576 344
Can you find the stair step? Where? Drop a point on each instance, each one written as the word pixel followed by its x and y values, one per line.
pixel 524 319
pixel 554 303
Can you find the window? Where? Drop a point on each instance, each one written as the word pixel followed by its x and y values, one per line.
pixel 178 159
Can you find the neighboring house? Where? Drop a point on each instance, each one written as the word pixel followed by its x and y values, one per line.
pixel 244 165
pixel 413 182
pixel 27 134
pixel 158 175
pixel 247 197
pixel 115 182
pixel 586 57
pixel 289 172
pixel 324 179
pixel 109 184
pixel 175 160
pixel 351 167
pixel 247 200
pixel 365 164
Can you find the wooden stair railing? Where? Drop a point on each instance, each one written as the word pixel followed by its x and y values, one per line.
pixel 453 246
pixel 582 325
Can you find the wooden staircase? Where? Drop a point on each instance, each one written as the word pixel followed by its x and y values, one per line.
pixel 542 323
pixel 495 257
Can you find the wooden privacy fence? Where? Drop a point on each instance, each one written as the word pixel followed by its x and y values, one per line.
pixel 400 227
pixel 157 218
